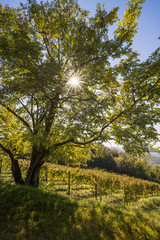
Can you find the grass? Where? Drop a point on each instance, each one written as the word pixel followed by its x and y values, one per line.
pixel 87 184
pixel 78 191
pixel 28 214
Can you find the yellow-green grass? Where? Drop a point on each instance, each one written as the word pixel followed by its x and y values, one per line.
pixel 32 214
pixel 89 183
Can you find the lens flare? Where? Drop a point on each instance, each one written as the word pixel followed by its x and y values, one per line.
pixel 74 81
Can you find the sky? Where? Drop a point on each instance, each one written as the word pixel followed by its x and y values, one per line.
pixel 146 40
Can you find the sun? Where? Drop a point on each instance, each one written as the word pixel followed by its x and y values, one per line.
pixel 74 81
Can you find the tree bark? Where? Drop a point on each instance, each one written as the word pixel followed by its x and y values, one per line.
pixel 32 178
pixel 16 172
pixel 37 162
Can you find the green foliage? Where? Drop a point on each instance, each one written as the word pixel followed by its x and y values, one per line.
pixel 43 45
pixel 128 26
pixel 103 158
pixel 142 169
pixel 155 173
pixel 72 155
pixel 133 166
pixel 119 162
pixel 13 135
pixel 125 164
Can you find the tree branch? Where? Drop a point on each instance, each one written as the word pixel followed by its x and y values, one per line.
pixel 91 140
pixel 116 117
pixel 6 150
pixel 31 114
pixel 63 143
pixel 26 124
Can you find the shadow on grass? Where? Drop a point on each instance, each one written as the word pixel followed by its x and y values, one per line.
pixel 27 213
pixel 31 214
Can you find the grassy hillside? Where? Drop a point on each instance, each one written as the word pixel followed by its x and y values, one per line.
pixel 89 183
pixel 27 213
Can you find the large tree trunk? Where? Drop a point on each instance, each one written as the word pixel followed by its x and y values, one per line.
pixel 32 178
pixel 38 155
pixel 16 172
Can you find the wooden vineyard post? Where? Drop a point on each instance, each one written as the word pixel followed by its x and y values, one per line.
pixel 111 188
pixel 69 183
pixel 46 174
pixel 96 188
pixel 124 194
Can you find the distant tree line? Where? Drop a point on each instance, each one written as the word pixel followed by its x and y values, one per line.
pixel 119 162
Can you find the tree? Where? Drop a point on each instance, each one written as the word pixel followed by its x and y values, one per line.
pixel 155 173
pixel 125 164
pixel 103 158
pixel 142 169
pixel 57 79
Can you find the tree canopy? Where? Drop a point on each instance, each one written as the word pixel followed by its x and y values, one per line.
pixel 45 45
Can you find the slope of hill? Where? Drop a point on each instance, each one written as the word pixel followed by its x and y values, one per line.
pixel 29 214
